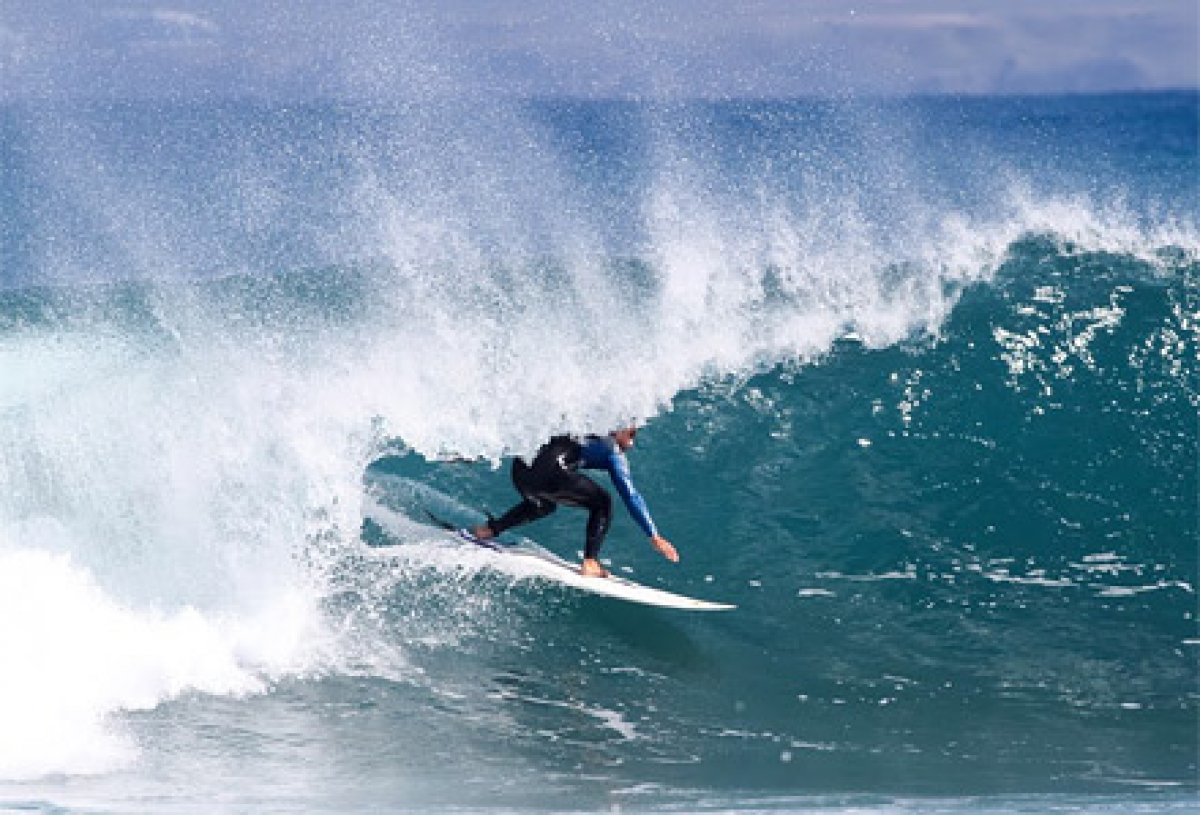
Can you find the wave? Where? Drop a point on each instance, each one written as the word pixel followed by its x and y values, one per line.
pixel 182 459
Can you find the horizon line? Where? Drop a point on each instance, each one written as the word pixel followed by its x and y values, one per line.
pixel 366 99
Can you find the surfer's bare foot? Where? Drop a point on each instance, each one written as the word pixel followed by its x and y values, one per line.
pixel 665 548
pixel 592 568
pixel 483 532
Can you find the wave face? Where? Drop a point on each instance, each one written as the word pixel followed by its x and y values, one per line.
pixel 919 383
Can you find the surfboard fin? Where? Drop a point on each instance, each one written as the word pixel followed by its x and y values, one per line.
pixel 444 524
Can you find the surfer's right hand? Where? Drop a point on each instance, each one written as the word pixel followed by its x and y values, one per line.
pixel 665 548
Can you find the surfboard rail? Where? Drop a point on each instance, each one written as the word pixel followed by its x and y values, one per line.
pixel 551 567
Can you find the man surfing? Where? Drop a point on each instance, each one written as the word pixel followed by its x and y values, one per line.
pixel 554 479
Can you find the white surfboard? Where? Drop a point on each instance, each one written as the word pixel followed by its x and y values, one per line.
pixel 551 567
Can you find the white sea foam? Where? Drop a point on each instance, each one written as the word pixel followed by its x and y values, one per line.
pixel 73 656
pixel 158 520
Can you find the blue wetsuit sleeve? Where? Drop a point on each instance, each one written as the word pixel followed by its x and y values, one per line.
pixel 618 470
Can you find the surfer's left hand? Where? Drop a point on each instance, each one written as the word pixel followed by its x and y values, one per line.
pixel 665 548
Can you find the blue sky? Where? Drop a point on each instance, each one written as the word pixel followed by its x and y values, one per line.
pixel 303 49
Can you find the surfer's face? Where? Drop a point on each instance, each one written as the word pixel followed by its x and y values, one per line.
pixel 625 437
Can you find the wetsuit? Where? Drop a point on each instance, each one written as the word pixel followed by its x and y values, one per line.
pixel 554 478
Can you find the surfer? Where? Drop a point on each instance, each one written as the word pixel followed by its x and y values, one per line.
pixel 554 479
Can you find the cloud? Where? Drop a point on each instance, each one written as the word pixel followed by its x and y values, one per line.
pixel 910 21
pixel 184 20
pixel 165 20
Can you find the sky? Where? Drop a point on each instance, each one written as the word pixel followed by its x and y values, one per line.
pixel 711 49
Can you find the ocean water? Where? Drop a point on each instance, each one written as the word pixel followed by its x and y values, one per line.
pixel 919 388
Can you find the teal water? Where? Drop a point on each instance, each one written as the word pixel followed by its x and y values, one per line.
pixel 919 387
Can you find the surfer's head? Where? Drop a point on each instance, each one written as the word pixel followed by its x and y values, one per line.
pixel 625 436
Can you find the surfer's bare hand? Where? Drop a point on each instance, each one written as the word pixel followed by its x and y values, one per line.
pixel 665 548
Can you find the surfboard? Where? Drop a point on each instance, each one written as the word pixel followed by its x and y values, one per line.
pixel 551 567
